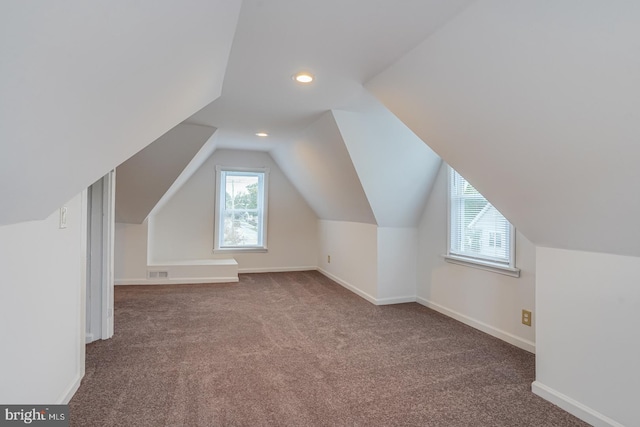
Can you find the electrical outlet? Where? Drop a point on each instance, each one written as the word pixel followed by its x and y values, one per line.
pixel 328 259
pixel 526 317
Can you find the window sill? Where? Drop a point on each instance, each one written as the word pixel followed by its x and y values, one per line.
pixel 483 265
pixel 239 250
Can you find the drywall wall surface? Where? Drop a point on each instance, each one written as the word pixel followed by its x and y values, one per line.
pixel 353 248
pixel 488 301
pixel 397 256
pixel 396 168
pixel 537 104
pixel 130 257
pixel 319 166
pixel 85 85
pixel 146 176
pixel 587 346
pixel 183 228
pixel 42 307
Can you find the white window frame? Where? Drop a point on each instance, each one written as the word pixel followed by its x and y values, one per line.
pixel 507 268
pixel 263 200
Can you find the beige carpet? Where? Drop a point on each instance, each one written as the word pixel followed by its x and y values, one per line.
pixel 296 349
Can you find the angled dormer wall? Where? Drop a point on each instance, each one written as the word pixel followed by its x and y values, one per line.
pixel 537 104
pixel 145 177
pixel 397 170
pixel 85 86
pixel 367 177
pixel 319 165
pixel 181 230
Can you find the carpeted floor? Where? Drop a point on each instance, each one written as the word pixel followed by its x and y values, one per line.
pixel 296 349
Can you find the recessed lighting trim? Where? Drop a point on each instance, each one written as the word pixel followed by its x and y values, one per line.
pixel 262 134
pixel 303 77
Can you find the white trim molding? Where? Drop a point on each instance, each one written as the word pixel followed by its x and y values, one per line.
pixel 488 329
pixel 395 300
pixel 348 286
pixel 483 265
pixel 572 406
pixel 371 299
pixel 176 281
pixel 276 269
pixel 72 388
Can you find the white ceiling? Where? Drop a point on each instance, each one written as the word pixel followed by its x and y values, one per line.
pixel 85 85
pixel 538 105
pixel 342 42
pixel 145 177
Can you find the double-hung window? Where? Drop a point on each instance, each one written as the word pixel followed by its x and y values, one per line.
pixel 478 234
pixel 241 209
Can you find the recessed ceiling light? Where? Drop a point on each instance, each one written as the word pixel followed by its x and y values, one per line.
pixel 262 134
pixel 303 77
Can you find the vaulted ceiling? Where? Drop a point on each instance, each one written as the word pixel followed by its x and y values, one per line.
pixel 536 103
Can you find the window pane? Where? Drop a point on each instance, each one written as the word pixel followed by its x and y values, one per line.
pixel 240 228
pixel 242 197
pixel 478 230
pixel 241 191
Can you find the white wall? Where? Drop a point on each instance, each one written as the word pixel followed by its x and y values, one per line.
pixel 397 258
pixel 353 248
pixel 588 350
pixel 489 301
pixel 183 228
pixel 130 258
pixel 86 85
pixel 377 141
pixel 42 307
pixel 319 165
pixel 543 94
pixel 146 176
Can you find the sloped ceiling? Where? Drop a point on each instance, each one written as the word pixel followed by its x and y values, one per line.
pixel 85 85
pixel 318 164
pixel 343 42
pixel 538 105
pixel 397 170
pixel 145 177
pixel 196 162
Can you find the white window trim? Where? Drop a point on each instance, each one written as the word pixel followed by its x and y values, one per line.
pixel 482 264
pixel 265 209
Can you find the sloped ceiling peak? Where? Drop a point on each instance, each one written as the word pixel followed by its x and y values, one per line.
pixel 396 168
pixel 144 178
pixel 343 42
pixel 318 164
pixel 538 105
pixel 85 85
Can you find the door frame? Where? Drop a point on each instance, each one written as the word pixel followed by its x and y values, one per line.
pixel 100 253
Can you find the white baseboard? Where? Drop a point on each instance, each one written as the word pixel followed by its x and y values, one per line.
pixel 71 390
pixel 371 299
pixel 572 406
pixel 349 286
pixel 276 269
pixel 491 330
pixel 395 300
pixel 175 281
pixel 88 338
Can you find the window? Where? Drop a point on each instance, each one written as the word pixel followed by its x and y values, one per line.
pixel 241 209
pixel 478 234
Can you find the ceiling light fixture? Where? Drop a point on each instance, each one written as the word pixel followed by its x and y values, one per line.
pixel 263 134
pixel 303 77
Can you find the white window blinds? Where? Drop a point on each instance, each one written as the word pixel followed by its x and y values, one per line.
pixel 476 229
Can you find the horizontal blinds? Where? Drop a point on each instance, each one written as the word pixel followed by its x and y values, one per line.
pixel 477 229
